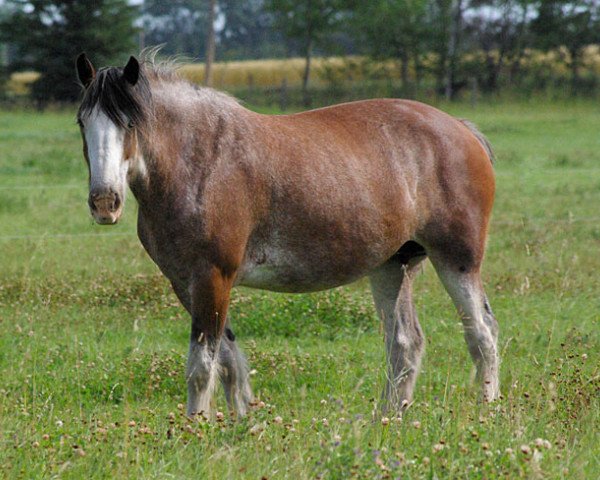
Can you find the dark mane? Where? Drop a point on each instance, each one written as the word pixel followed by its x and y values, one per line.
pixel 123 103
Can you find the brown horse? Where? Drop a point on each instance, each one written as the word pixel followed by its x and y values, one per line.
pixel 292 203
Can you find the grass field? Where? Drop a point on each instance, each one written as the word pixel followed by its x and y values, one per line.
pixel 93 342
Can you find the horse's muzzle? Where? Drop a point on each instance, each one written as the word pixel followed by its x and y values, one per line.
pixel 105 205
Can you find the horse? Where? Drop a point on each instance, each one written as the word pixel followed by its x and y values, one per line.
pixel 292 203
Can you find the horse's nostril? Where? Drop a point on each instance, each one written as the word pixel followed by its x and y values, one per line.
pixel 116 202
pixel 104 201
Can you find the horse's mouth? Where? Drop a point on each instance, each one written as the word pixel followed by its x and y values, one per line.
pixel 107 219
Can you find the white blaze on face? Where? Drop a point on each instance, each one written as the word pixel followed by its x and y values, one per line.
pixel 105 146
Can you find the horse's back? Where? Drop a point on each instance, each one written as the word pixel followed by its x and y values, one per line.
pixel 397 156
pixel 401 137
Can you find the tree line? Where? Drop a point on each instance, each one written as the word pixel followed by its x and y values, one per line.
pixel 444 43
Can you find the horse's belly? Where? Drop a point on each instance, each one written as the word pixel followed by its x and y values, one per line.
pixel 283 279
pixel 269 277
pixel 282 272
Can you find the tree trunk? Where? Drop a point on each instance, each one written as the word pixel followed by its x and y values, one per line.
pixel 453 49
pixel 575 57
pixel 490 66
pixel 499 67
pixel 306 76
pixel 441 74
pixel 418 69
pixel 404 70
pixel 443 27
pixel 493 70
pixel 515 68
pixel 210 45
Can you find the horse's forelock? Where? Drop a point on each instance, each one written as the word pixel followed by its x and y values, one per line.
pixel 122 102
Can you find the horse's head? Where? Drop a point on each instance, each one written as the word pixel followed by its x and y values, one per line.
pixel 109 116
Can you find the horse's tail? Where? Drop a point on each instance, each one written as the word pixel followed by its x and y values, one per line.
pixel 485 143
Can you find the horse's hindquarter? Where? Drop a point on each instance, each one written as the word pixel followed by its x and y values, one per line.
pixel 349 185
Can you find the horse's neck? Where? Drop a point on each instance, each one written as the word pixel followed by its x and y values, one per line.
pixel 177 154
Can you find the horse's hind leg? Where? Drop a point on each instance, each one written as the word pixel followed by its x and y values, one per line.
pixel 463 284
pixel 392 291
pixel 234 375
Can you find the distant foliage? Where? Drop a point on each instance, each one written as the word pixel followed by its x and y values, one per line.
pixel 49 34
pixel 572 24
pixel 245 29
pixel 309 23
pixel 421 49
pixel 179 25
pixel 248 32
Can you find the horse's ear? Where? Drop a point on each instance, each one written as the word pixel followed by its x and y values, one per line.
pixel 131 72
pixel 85 70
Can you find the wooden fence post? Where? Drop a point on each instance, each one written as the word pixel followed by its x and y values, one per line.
pixel 474 91
pixel 283 95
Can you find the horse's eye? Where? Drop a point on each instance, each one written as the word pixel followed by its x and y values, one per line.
pixel 130 124
pixel 80 123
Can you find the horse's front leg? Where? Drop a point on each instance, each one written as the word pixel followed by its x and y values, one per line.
pixel 209 291
pixel 234 374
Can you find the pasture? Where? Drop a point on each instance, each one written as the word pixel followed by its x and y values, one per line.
pixel 93 342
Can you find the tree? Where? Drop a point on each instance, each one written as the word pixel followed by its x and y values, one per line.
pixel 439 18
pixel 178 25
pixel 4 14
pixel 572 24
pixel 309 21
pixel 49 34
pixel 248 31
pixel 458 10
pixel 211 44
pixel 395 29
pixel 499 28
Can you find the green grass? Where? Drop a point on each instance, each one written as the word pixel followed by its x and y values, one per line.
pixel 93 342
